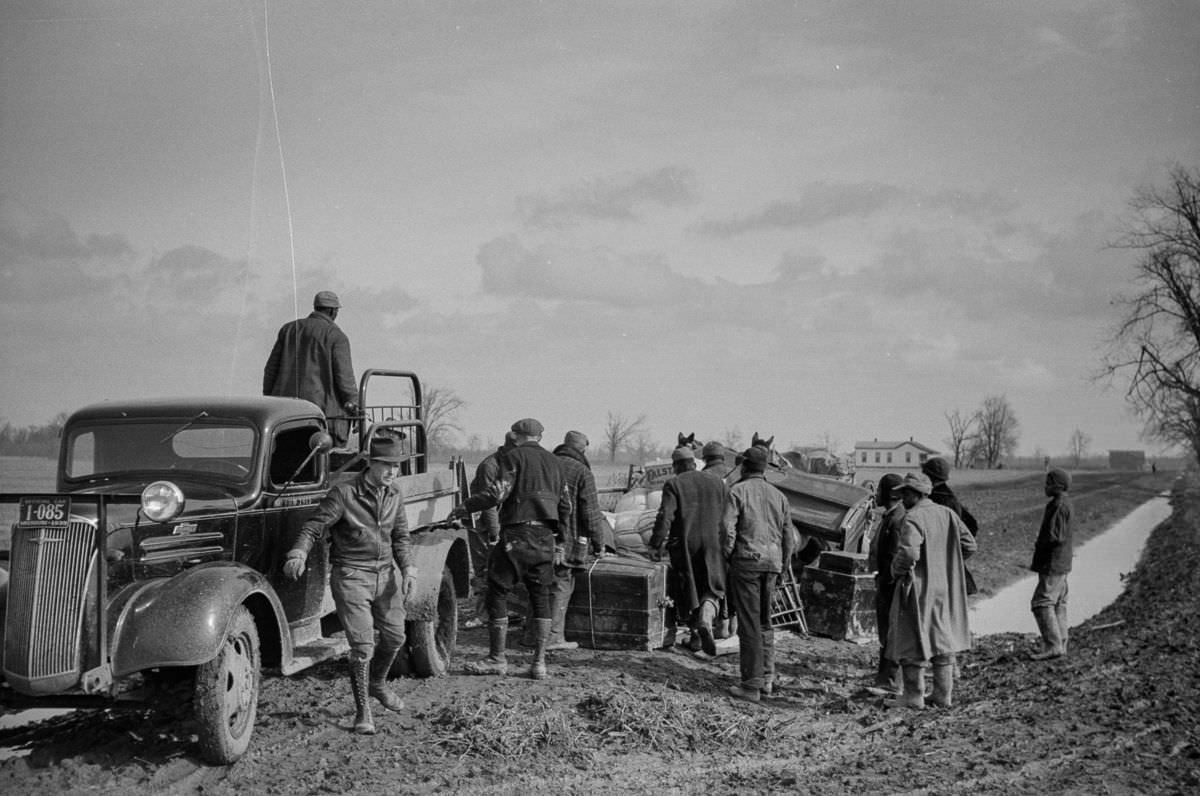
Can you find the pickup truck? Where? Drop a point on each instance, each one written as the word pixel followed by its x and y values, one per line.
pixel 157 561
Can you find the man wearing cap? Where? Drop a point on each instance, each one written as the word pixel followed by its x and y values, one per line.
pixel 688 528
pixel 714 460
pixel 1052 555
pixel 938 470
pixel 485 531
pixel 371 571
pixel 928 622
pixel 311 360
pixel 883 550
pixel 758 541
pixel 534 508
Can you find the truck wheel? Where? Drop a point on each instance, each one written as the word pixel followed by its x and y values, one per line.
pixel 431 644
pixel 226 693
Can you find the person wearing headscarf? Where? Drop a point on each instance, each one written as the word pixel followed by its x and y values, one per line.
pixel 1052 553
pixel 928 621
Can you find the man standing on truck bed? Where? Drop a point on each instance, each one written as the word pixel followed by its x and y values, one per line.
pixel 369 543
pixel 534 505
pixel 311 360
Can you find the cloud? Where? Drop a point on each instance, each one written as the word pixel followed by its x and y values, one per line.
pixel 819 203
pixel 608 199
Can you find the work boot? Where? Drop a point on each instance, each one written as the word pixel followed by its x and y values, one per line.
pixel 704 627
pixel 914 689
pixel 381 664
pixel 887 678
pixel 943 684
pixel 1047 622
pixel 497 660
pixel 745 694
pixel 537 669
pixel 558 626
pixel 1060 613
pixel 364 724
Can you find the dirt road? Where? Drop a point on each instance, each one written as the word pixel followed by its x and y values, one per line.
pixel 1119 714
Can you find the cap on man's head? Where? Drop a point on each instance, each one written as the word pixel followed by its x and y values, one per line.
pixel 528 427
pixel 387 449
pixel 326 299
pixel 713 450
pixel 576 439
pixel 887 485
pixel 683 454
pixel 754 459
pixel 916 482
pixel 937 468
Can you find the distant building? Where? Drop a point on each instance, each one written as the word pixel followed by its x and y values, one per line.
pixel 1127 460
pixel 873 459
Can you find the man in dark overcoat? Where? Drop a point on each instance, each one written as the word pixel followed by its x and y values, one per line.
pixel 311 360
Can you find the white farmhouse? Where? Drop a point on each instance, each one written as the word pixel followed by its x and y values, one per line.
pixel 874 458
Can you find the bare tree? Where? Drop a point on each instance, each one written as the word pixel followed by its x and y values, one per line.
pixel 960 435
pixel 441 405
pixel 643 447
pixel 618 430
pixel 732 438
pixel 1157 343
pixel 995 430
pixel 1078 445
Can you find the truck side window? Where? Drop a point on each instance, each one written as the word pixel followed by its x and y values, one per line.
pixel 288 450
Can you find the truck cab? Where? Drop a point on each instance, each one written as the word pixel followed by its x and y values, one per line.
pixel 159 555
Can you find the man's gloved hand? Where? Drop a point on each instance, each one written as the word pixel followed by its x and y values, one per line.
pixel 293 568
pixel 352 408
pixel 409 582
pixel 657 553
pixel 560 556
pixel 459 512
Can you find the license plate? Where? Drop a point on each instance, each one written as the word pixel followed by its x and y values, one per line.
pixel 53 510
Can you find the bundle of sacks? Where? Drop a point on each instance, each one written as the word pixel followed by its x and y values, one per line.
pixel 632 520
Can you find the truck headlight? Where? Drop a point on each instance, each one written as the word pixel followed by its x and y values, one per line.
pixel 161 501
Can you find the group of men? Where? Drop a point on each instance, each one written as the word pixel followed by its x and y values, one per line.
pixel 726 542
pixel 924 537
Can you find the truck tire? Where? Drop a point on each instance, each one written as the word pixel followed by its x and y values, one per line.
pixel 226 693
pixel 431 644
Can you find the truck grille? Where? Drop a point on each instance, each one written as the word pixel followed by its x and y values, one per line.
pixel 47 596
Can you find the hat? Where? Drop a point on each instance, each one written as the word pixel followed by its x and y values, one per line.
pixel 755 459
pixel 576 439
pixel 326 298
pixel 529 427
pixel 887 484
pixel 1059 479
pixel 682 455
pixel 917 482
pixel 937 468
pixel 713 450
pixel 387 449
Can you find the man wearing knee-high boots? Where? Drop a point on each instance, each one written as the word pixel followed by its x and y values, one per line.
pixel 371 572
pixel 534 507
pixel 1052 553
pixel 928 622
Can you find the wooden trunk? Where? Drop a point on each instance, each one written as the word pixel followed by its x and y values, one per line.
pixel 621 603
pixel 839 605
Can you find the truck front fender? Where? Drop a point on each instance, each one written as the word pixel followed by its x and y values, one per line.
pixel 182 621
pixel 432 550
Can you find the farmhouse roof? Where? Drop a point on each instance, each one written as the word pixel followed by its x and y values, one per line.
pixel 891 446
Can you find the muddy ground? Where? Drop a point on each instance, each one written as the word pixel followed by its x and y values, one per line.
pixel 1118 715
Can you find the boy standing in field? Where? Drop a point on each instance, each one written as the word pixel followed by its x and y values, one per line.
pixel 1052 561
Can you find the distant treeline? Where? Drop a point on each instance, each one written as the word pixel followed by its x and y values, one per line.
pixel 32 440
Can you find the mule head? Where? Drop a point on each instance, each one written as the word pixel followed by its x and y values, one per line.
pixel 688 442
pixel 761 442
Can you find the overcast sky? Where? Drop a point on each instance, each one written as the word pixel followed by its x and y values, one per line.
pixel 808 219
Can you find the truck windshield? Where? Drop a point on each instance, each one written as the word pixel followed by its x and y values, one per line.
pixel 173 445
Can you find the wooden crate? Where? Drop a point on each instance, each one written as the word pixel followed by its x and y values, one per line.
pixel 621 603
